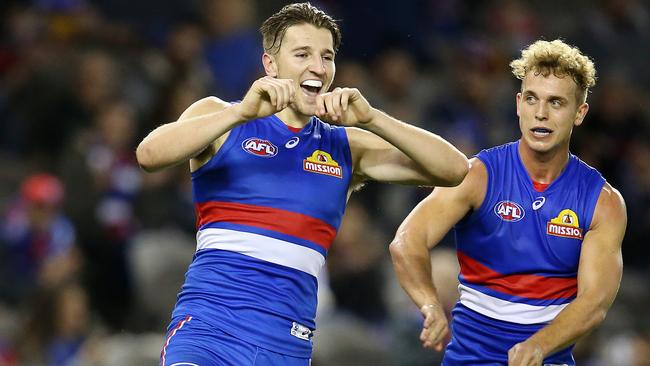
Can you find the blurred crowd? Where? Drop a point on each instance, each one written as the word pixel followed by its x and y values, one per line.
pixel 93 250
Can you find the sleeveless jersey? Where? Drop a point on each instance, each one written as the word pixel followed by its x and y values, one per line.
pixel 519 251
pixel 268 206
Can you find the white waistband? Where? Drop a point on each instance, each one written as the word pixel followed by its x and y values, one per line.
pixel 262 247
pixel 505 310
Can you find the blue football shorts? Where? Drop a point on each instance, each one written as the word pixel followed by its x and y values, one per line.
pixel 480 340
pixel 191 342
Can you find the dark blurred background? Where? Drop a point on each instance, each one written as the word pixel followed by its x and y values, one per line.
pixel 93 251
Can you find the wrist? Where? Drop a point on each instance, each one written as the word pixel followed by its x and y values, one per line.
pixel 372 121
pixel 430 306
pixel 538 345
pixel 430 302
pixel 235 111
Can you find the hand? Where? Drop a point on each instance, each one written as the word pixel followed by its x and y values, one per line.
pixel 344 106
pixel 266 96
pixel 527 353
pixel 434 327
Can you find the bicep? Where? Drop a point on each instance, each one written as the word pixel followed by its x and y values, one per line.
pixel 601 264
pixel 376 159
pixel 203 106
pixel 199 108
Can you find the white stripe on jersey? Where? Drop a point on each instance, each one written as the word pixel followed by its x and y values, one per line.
pixel 262 247
pixel 505 310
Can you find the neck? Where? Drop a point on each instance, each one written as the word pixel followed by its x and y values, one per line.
pixel 292 118
pixel 543 167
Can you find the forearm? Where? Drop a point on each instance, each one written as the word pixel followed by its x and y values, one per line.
pixel 445 164
pixel 412 265
pixel 179 141
pixel 580 317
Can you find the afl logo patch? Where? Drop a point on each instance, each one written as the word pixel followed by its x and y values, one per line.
pixel 259 147
pixel 509 211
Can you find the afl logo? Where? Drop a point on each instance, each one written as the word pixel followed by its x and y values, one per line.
pixel 509 211
pixel 259 147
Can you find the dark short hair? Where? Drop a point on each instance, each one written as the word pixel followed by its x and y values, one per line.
pixel 274 28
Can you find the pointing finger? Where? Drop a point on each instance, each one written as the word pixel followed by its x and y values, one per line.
pixel 320 106
pixel 329 104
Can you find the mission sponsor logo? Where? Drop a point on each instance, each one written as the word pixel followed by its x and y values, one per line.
pixel 259 147
pixel 509 211
pixel 565 225
pixel 321 162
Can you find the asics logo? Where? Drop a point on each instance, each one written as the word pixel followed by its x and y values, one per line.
pixel 538 203
pixel 292 143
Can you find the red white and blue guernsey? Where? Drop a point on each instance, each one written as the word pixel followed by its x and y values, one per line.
pixel 519 251
pixel 268 206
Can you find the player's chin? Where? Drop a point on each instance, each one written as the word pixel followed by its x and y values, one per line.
pixel 540 146
pixel 307 108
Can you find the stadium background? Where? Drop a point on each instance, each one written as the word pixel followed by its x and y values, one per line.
pixel 89 277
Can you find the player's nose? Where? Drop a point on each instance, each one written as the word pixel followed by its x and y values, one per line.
pixel 541 112
pixel 317 66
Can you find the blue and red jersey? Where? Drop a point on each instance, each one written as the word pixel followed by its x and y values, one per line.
pixel 519 251
pixel 268 206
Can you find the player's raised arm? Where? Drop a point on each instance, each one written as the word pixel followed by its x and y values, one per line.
pixel 176 142
pixel 203 127
pixel 388 150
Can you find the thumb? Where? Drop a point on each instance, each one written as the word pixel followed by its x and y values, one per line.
pixel 428 320
pixel 438 346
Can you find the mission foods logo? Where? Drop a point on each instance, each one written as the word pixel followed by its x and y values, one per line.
pixel 259 147
pixel 322 163
pixel 565 225
pixel 509 211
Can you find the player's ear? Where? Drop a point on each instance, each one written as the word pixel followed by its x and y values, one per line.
pixel 270 66
pixel 580 114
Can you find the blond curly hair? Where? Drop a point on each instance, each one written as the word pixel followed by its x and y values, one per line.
pixel 559 58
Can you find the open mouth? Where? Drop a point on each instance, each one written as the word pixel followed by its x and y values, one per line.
pixel 541 131
pixel 311 87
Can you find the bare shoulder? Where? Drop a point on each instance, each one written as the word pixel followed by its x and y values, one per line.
pixel 203 106
pixel 475 183
pixel 446 206
pixel 470 193
pixel 360 139
pixel 610 208
pixel 477 170
pixel 357 142
pixel 359 135
pixel 362 143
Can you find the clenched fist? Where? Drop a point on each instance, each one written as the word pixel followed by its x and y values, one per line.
pixel 344 106
pixel 434 327
pixel 266 96
pixel 526 353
